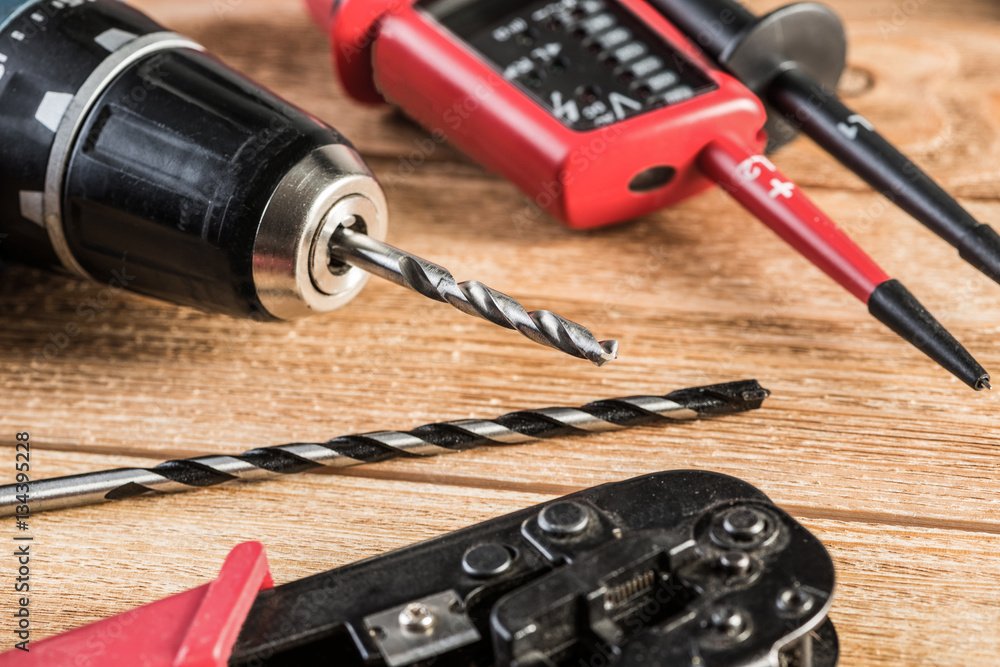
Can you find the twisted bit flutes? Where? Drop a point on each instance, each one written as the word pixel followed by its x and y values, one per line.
pixel 352 450
pixel 471 297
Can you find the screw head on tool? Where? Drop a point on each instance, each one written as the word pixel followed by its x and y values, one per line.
pixel 744 523
pixel 487 560
pixel 795 601
pixel 728 621
pixel 564 519
pixel 735 563
pixel 417 617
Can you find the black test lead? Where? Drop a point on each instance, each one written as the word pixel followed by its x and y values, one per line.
pixel 131 157
pixel 792 59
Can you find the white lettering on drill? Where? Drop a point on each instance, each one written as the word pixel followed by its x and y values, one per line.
pixel 598 23
pixel 567 110
pixel 31 206
pixel 619 103
pixel 678 94
pixel 850 128
pixel 3 68
pixel 630 52
pixel 781 189
pixel 596 109
pixel 113 39
pixel 52 109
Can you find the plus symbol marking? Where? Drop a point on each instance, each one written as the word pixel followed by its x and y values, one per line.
pixel 781 189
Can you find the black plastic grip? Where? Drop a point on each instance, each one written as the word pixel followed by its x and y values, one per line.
pixel 171 174
pixel 46 52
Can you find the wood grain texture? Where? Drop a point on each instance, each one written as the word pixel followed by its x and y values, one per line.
pixel 889 460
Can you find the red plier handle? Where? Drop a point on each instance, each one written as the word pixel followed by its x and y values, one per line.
pixel 197 628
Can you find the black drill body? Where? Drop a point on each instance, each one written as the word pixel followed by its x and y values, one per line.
pixel 127 153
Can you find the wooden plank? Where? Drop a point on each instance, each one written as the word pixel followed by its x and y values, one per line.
pixel 887 458
pixel 184 383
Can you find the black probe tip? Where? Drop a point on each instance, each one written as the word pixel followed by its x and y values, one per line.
pixel 980 246
pixel 894 306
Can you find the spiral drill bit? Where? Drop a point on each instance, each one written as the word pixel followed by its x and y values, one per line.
pixel 352 450
pixel 471 297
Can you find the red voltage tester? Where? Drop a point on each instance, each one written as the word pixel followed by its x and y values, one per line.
pixel 601 111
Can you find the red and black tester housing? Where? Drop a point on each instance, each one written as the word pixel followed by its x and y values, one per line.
pixel 541 93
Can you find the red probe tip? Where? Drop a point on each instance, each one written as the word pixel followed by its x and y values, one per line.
pixel 762 189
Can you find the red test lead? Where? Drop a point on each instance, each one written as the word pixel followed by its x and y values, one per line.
pixel 754 181
pixel 601 111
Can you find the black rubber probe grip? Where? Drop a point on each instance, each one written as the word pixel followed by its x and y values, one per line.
pixel 132 157
pixel 980 246
pixel 854 142
pixel 714 25
pixel 806 36
pixel 894 306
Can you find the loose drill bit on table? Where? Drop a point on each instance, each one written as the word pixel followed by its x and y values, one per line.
pixel 352 450
pixel 471 297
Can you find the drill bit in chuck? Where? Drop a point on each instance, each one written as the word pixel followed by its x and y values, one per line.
pixel 471 297
pixel 352 450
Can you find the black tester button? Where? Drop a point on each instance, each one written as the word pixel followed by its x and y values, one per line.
pixel 678 95
pixel 594 25
pixel 658 83
pixel 612 38
pixel 590 7
pixel 646 67
pixel 626 54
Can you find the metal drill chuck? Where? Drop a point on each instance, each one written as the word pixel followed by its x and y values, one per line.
pixel 293 270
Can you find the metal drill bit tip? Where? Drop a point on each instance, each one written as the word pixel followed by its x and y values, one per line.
pixel 984 383
pixel 352 450
pixel 471 297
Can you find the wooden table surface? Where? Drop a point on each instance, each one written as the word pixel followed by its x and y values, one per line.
pixel 889 460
